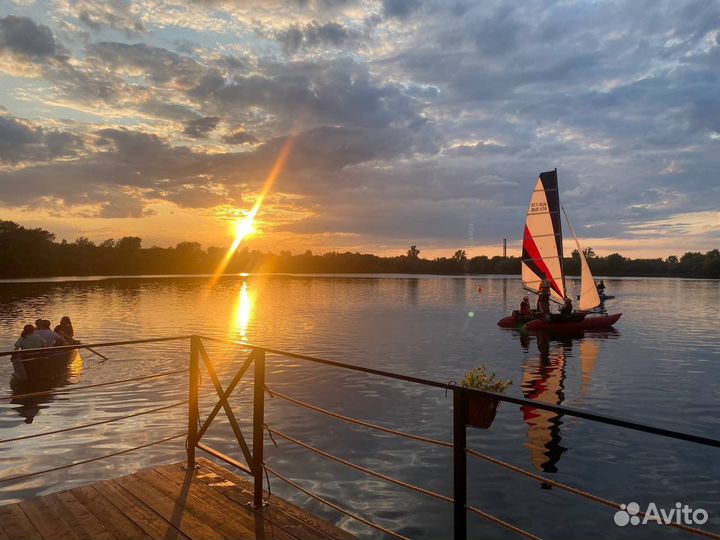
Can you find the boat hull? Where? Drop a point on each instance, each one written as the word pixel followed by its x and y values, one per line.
pixel 588 323
pixel 44 365
pixel 513 322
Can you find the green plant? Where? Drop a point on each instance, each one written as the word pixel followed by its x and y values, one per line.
pixel 482 380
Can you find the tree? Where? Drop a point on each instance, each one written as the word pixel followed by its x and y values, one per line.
pixel 589 253
pixel 460 256
pixel 413 252
pixel 107 244
pixel 672 259
pixel 84 242
pixel 129 243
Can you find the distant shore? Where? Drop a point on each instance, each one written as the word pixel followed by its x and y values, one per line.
pixel 346 275
pixel 34 253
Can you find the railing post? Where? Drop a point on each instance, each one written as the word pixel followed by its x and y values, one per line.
pixel 258 428
pixel 459 464
pixel 193 408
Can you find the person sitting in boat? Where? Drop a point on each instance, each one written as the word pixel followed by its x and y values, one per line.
pixel 29 339
pixel 567 307
pixel 525 306
pixel 66 331
pixel 51 338
pixel 601 287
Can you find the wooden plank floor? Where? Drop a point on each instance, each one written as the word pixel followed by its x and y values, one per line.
pixel 164 502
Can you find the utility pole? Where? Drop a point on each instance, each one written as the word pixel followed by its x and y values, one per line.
pixel 504 248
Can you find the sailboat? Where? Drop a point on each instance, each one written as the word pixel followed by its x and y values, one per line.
pixel 542 261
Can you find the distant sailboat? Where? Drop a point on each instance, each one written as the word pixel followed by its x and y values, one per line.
pixel 542 260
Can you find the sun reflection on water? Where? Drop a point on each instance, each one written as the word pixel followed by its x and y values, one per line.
pixel 243 311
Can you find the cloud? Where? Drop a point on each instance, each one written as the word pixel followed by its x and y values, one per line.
pixel 22 141
pixel 335 92
pixel 444 111
pixel 239 137
pixel 201 127
pixel 159 65
pixel 313 35
pixel 108 14
pixel 400 8
pixel 23 37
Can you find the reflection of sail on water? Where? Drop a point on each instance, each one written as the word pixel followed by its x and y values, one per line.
pixel 589 350
pixel 544 380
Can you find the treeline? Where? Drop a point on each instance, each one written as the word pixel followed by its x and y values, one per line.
pixel 35 253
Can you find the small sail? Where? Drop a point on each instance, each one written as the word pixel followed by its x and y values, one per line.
pixel 589 297
pixel 542 241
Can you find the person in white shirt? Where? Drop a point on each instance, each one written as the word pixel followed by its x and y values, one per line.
pixel 29 339
pixel 50 337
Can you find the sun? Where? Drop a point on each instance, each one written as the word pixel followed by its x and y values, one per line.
pixel 244 227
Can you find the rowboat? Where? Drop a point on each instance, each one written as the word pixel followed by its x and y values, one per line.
pixel 45 364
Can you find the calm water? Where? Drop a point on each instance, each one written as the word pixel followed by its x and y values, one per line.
pixel 661 367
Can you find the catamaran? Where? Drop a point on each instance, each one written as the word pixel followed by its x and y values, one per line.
pixel 542 263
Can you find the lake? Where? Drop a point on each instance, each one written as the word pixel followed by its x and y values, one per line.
pixel 661 366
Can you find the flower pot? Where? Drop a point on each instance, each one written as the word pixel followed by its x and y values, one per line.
pixel 480 411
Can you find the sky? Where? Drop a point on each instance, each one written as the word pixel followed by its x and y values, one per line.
pixel 407 121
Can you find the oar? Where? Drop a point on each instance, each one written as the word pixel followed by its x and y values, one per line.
pixel 99 354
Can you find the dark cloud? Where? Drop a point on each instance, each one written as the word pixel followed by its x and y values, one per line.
pixel 200 128
pixel 25 38
pixel 239 137
pixel 313 35
pixel 22 141
pixel 400 8
pixel 333 92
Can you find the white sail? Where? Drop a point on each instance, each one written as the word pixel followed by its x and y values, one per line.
pixel 542 240
pixel 589 297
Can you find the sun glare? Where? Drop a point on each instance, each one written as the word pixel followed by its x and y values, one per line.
pixel 244 226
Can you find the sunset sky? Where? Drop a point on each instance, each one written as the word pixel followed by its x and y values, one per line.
pixel 407 121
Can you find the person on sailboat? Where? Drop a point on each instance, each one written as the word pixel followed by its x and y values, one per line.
pixel 543 304
pixel 601 287
pixel 544 286
pixel 543 301
pixel 567 307
pixel 525 307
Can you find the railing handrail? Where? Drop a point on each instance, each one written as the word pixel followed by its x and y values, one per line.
pixel 76 346
pixel 570 411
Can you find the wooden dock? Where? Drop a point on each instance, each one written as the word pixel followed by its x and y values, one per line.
pixel 165 503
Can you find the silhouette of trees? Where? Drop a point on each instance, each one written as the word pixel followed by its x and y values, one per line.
pixel 34 252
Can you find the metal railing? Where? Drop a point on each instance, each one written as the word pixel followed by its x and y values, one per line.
pixel 254 458
pixel 256 467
